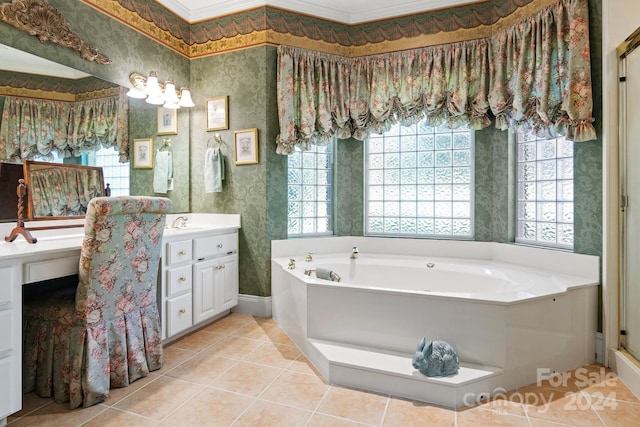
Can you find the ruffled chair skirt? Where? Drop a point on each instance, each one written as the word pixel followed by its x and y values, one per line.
pixel 70 361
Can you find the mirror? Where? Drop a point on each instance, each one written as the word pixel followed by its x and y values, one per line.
pixel 60 191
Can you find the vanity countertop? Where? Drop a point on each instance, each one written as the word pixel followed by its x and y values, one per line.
pixel 69 239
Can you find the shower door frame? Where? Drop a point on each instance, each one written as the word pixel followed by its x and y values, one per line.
pixel 624 50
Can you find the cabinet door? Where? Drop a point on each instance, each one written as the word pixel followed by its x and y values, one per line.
pixel 229 273
pixel 205 275
pixel 215 287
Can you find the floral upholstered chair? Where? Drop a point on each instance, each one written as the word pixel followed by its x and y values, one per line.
pixel 106 333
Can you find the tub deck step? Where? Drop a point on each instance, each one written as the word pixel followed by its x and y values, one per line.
pixel 391 372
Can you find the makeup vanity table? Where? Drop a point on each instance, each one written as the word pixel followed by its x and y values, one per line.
pixel 198 281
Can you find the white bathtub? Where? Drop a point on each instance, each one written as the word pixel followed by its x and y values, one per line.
pixel 439 277
pixel 509 309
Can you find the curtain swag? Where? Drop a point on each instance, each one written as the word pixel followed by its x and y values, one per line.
pixel 534 76
pixel 32 127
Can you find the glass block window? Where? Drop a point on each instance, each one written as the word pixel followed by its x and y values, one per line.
pixel 116 174
pixel 419 182
pixel 545 191
pixel 309 191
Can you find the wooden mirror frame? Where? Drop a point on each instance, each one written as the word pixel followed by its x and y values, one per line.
pixel 25 191
pixel 30 167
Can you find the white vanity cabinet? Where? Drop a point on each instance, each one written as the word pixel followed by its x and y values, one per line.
pixel 199 278
pixel 10 340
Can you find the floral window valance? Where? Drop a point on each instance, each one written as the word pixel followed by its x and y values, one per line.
pixel 32 126
pixel 533 76
pixel 63 191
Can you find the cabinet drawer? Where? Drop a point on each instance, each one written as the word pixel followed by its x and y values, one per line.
pixel 178 252
pixel 178 280
pixel 50 269
pixel 179 314
pixel 215 245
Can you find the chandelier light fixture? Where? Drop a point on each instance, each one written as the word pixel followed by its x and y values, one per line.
pixel 152 91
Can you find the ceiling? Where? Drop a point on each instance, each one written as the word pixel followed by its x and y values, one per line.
pixel 345 11
pixel 16 60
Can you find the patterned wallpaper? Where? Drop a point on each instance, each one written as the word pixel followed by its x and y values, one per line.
pixel 247 76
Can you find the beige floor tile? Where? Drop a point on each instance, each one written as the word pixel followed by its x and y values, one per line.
pixel 281 338
pixel 277 355
pixel 234 347
pixel 542 423
pixel 173 356
pixel 210 407
pixel 115 418
pixel 247 378
pixel 408 413
pixel 611 388
pixel 58 415
pixel 505 403
pixel 354 405
pixel 228 324
pixel 117 394
pixel 482 418
pixel 617 413
pixel 202 368
pixel 559 406
pixel 257 331
pixel 267 414
pixel 198 340
pixel 302 364
pixel 159 398
pixel 30 402
pixel 322 420
pixel 296 389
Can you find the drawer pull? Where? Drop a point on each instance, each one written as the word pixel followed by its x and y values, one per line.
pixel 183 279
pixel 219 245
pixel 220 267
pixel 182 252
pixel 183 311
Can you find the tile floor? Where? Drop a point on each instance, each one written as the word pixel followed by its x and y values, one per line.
pixel 243 371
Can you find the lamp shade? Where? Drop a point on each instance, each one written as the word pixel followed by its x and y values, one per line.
pixel 153 88
pixel 170 95
pixel 185 98
pixel 135 93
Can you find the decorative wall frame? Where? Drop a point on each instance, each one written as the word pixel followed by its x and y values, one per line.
pixel 217 113
pixel 143 153
pixel 167 121
pixel 39 19
pixel 245 146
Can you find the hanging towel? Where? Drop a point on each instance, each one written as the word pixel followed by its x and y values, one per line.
pixel 213 170
pixel 162 172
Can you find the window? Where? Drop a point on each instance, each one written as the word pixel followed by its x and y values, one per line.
pixel 115 174
pixel 545 191
pixel 419 182
pixel 309 191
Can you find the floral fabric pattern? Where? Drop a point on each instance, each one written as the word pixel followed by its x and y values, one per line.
pixel 535 75
pixel 107 334
pixel 40 126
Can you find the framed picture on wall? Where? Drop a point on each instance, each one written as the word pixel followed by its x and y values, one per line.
pixel 143 153
pixel 245 148
pixel 167 121
pixel 217 113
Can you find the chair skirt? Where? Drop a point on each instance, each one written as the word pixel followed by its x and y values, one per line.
pixel 69 360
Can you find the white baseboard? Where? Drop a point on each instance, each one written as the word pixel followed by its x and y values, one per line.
pixel 628 371
pixel 253 305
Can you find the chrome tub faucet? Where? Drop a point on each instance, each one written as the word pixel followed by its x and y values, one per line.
pixel 354 252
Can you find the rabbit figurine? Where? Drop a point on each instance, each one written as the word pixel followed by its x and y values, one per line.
pixel 435 359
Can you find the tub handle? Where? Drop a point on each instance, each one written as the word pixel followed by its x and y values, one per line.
pixel 430 265
pixel 335 277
